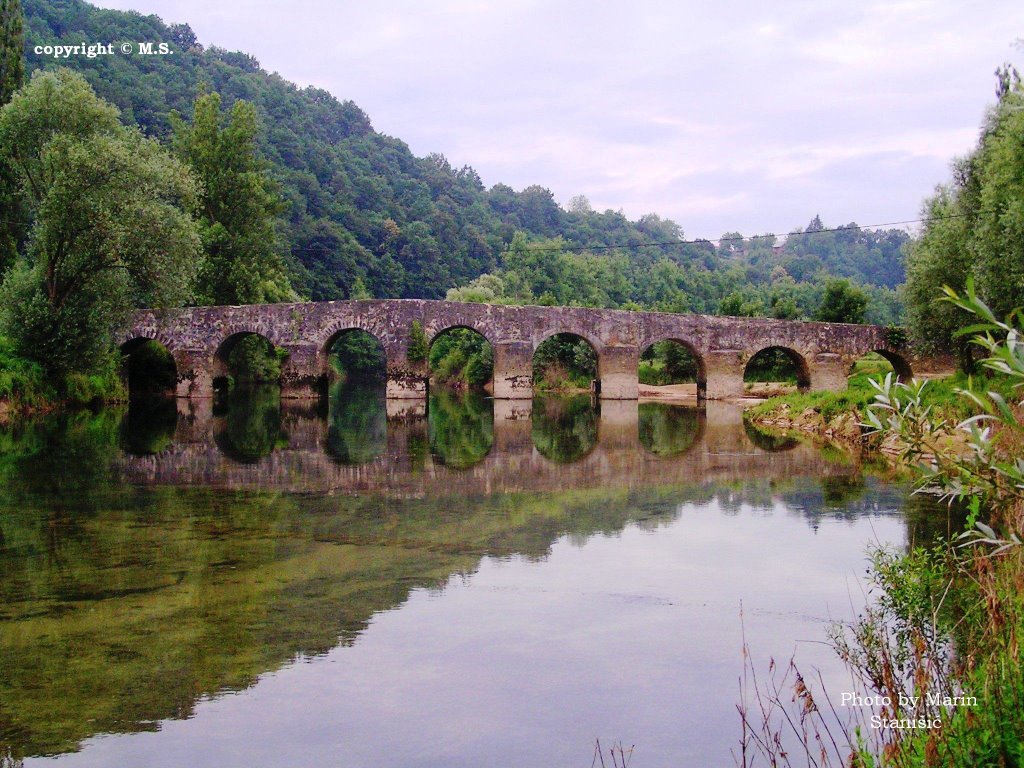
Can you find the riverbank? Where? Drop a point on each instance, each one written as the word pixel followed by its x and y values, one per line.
pixel 27 390
pixel 953 660
pixel 838 417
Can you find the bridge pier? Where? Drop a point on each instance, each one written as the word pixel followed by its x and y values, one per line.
pixel 195 374
pixel 300 373
pixel 406 379
pixel 618 369
pixel 828 372
pixel 724 374
pixel 513 370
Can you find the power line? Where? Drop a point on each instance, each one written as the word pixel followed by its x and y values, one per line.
pixel 742 238
pixel 660 244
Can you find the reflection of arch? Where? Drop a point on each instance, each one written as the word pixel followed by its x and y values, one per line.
pixel 147 428
pixel 667 430
pixel 803 373
pixel 357 431
pixel 702 375
pixel 899 364
pixel 149 367
pixel 248 427
pixel 460 428
pixel 564 429
pixel 327 349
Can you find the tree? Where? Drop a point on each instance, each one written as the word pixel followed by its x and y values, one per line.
pixel 975 229
pixel 238 206
pixel 843 302
pixel 12 49
pixel 111 226
pixel 12 75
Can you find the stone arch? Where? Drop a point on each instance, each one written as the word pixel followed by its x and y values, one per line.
pixel 594 343
pixel 702 371
pixel 327 345
pixel 899 363
pixel 799 361
pixel 157 375
pixel 482 375
pixel 548 336
pixel 222 354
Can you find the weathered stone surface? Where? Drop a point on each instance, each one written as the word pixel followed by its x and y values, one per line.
pixel 200 338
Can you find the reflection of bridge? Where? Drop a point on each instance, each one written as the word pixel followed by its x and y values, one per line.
pixel 201 338
pixel 721 451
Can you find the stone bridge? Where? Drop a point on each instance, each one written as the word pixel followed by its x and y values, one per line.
pixel 201 338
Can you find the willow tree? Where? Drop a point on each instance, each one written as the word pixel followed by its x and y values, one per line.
pixel 111 226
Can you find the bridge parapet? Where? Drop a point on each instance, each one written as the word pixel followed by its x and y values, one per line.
pixel 200 339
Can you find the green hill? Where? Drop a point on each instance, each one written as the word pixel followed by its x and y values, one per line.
pixel 362 205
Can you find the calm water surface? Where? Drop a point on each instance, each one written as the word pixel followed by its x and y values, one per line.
pixel 366 584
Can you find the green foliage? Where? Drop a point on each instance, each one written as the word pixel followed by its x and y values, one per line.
pixel 361 206
pixel 418 347
pixel 255 360
pixel 976 230
pixel 842 303
pixel 358 355
pixel 23 383
pixel 772 364
pixel 111 224
pixel 984 472
pixel 667 362
pixel 12 49
pixel 461 358
pixel 238 205
pixel 564 361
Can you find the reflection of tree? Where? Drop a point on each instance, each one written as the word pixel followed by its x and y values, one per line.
pixel 148 426
pixel 564 428
pixel 120 608
pixel 767 441
pixel 461 427
pixel 252 422
pixel 357 426
pixel 668 430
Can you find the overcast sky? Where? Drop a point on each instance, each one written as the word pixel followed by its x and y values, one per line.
pixel 723 116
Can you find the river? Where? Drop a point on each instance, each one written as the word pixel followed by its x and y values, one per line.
pixel 365 583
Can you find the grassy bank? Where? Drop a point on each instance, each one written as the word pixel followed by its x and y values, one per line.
pixel 831 414
pixel 936 652
pixel 25 387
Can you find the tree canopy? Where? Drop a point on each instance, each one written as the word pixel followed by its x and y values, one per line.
pixel 975 229
pixel 111 225
pixel 242 263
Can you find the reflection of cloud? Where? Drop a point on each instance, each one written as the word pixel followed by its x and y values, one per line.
pixel 679 108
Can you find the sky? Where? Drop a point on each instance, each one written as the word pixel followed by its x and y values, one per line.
pixel 725 116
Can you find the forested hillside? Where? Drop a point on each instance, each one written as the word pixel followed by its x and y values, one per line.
pixel 361 210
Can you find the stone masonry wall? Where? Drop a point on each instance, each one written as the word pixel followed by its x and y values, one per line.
pixel 200 339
